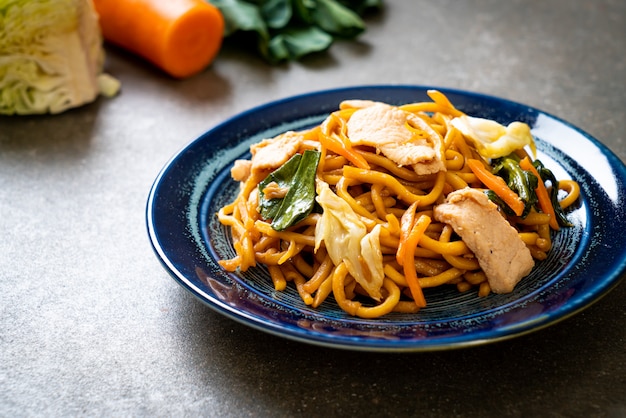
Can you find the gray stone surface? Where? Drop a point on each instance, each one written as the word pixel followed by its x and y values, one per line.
pixel 91 325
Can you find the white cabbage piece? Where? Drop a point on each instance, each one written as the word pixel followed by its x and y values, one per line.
pixel 346 239
pixel 51 56
pixel 493 140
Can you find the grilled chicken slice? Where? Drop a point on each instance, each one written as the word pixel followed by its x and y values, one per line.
pixel 501 253
pixel 401 136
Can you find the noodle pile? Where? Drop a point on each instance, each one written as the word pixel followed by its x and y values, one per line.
pixel 391 204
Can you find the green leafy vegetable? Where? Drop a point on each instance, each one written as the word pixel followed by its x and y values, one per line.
pixel 520 181
pixel 286 30
pixel 498 201
pixel 524 184
pixel 297 42
pixel 276 13
pixel 283 177
pixel 336 19
pixel 241 15
pixel 51 56
pixel 298 175
pixel 548 176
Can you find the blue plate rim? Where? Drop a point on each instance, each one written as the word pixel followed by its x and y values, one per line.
pixel 605 285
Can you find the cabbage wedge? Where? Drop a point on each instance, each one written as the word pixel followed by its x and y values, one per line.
pixel 51 56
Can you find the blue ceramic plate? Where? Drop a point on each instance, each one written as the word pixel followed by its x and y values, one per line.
pixel 586 262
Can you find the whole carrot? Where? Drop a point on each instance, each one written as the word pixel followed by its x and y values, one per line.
pixel 181 37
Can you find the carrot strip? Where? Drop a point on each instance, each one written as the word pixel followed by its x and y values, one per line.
pixel 542 193
pixel 441 99
pixel 497 184
pixel 410 274
pixel 338 144
pixel 181 37
pixel 406 225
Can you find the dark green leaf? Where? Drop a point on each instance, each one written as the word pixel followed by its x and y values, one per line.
pixel 276 13
pixel 300 198
pixel 548 176
pixel 298 174
pixel 337 19
pixel 520 181
pixel 524 183
pixel 293 43
pixel 240 15
pixel 275 50
pixel 281 27
pixel 283 176
pixel 302 10
pixel 361 6
pixel 498 201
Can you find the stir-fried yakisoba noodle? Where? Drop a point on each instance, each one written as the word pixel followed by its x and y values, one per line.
pixel 379 202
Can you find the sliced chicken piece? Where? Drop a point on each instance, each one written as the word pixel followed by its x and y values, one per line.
pixel 274 191
pixel 272 153
pixel 501 253
pixel 401 136
pixel 241 170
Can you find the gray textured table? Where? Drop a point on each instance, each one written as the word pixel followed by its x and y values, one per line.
pixel 92 325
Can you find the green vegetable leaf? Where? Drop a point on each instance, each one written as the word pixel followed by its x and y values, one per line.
pixel 524 184
pixel 276 13
pixel 498 201
pixel 288 30
pixel 298 174
pixel 361 6
pixel 293 44
pixel 283 177
pixel 520 181
pixel 302 10
pixel 548 176
pixel 241 15
pixel 337 19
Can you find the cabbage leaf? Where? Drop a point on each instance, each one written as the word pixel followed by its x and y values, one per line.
pixel 347 241
pixel 493 140
pixel 51 56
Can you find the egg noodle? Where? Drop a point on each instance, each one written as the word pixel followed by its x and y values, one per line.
pixel 394 204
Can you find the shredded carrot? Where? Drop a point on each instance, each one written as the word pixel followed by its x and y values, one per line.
pixel 498 185
pixel 181 37
pixel 410 274
pixel 340 144
pixel 406 225
pixel 312 134
pixel 542 193
pixel 441 99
